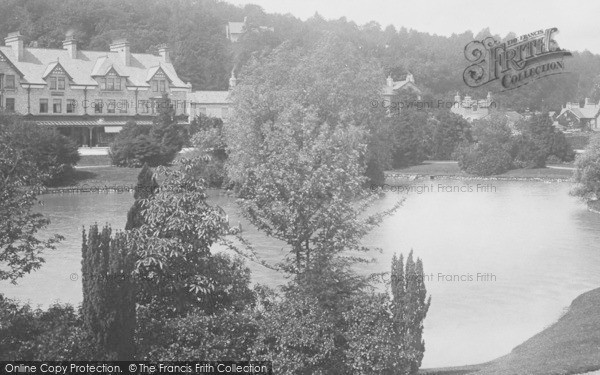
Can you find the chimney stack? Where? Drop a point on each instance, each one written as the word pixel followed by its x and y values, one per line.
pixel 121 46
pixel 15 41
pixel 232 80
pixel 164 52
pixel 70 44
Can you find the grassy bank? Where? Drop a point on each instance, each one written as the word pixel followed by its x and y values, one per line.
pixel 569 346
pixel 451 169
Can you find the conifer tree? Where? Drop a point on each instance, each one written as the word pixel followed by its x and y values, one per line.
pixel 145 188
pixel 108 294
pixel 409 307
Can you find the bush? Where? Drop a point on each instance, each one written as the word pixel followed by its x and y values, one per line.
pixel 37 335
pixel 52 153
pixel 561 148
pixel 587 174
pixel 156 145
pixel 525 153
pixel 484 159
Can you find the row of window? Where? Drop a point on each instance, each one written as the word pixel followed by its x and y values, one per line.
pixel 59 83
pixel 112 106
pixel 110 84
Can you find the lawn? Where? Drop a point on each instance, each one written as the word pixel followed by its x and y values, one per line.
pixel 102 177
pixel 430 168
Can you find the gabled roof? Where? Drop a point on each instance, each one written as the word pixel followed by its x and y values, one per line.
pixel 88 64
pixel 208 97
pixel 3 57
pixel 589 111
pixel 158 69
pixel 104 65
pixel 55 66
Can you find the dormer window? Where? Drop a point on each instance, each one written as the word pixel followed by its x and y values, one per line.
pixel 159 85
pixel 112 82
pixel 159 81
pixel 57 83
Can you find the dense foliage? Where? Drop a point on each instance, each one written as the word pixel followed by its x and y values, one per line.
pixel 22 175
pixel 53 154
pixel 210 150
pixel 195 31
pixel 109 295
pixel 28 334
pixel 587 174
pixel 155 145
pixel 500 145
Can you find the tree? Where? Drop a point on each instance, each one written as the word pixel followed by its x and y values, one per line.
pixel 21 178
pixel 109 296
pixel 587 173
pixel 210 150
pixel 174 267
pixel 410 135
pixel 28 334
pixel 166 131
pixel 330 79
pixel 158 145
pixel 550 141
pixel 146 186
pixel 409 307
pixel 450 131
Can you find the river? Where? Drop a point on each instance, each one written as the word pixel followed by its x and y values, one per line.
pixel 502 260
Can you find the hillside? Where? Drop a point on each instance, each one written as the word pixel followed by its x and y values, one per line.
pixel 195 31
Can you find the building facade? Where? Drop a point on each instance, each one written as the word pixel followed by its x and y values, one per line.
pixel 211 103
pixel 88 95
pixel 471 109
pixel 576 116
pixel 394 88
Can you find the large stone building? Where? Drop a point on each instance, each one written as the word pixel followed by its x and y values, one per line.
pixel 88 95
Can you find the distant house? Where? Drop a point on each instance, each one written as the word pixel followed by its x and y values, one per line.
pixel 471 109
pixel 574 115
pixel 210 103
pixel 393 88
pixel 235 30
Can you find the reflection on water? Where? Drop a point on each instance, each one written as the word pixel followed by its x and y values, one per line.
pixel 539 244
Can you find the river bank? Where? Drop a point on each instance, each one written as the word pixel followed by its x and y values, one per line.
pixel 449 170
pixel 569 346
pixel 94 176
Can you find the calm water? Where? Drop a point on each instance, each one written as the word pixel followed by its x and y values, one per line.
pixel 534 247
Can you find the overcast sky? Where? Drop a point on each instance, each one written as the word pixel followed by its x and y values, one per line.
pixel 578 22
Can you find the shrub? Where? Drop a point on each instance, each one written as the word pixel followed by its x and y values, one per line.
pixel 157 145
pixel 484 159
pixel 135 152
pixel 53 154
pixel 525 153
pixel 587 174
pixel 37 335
